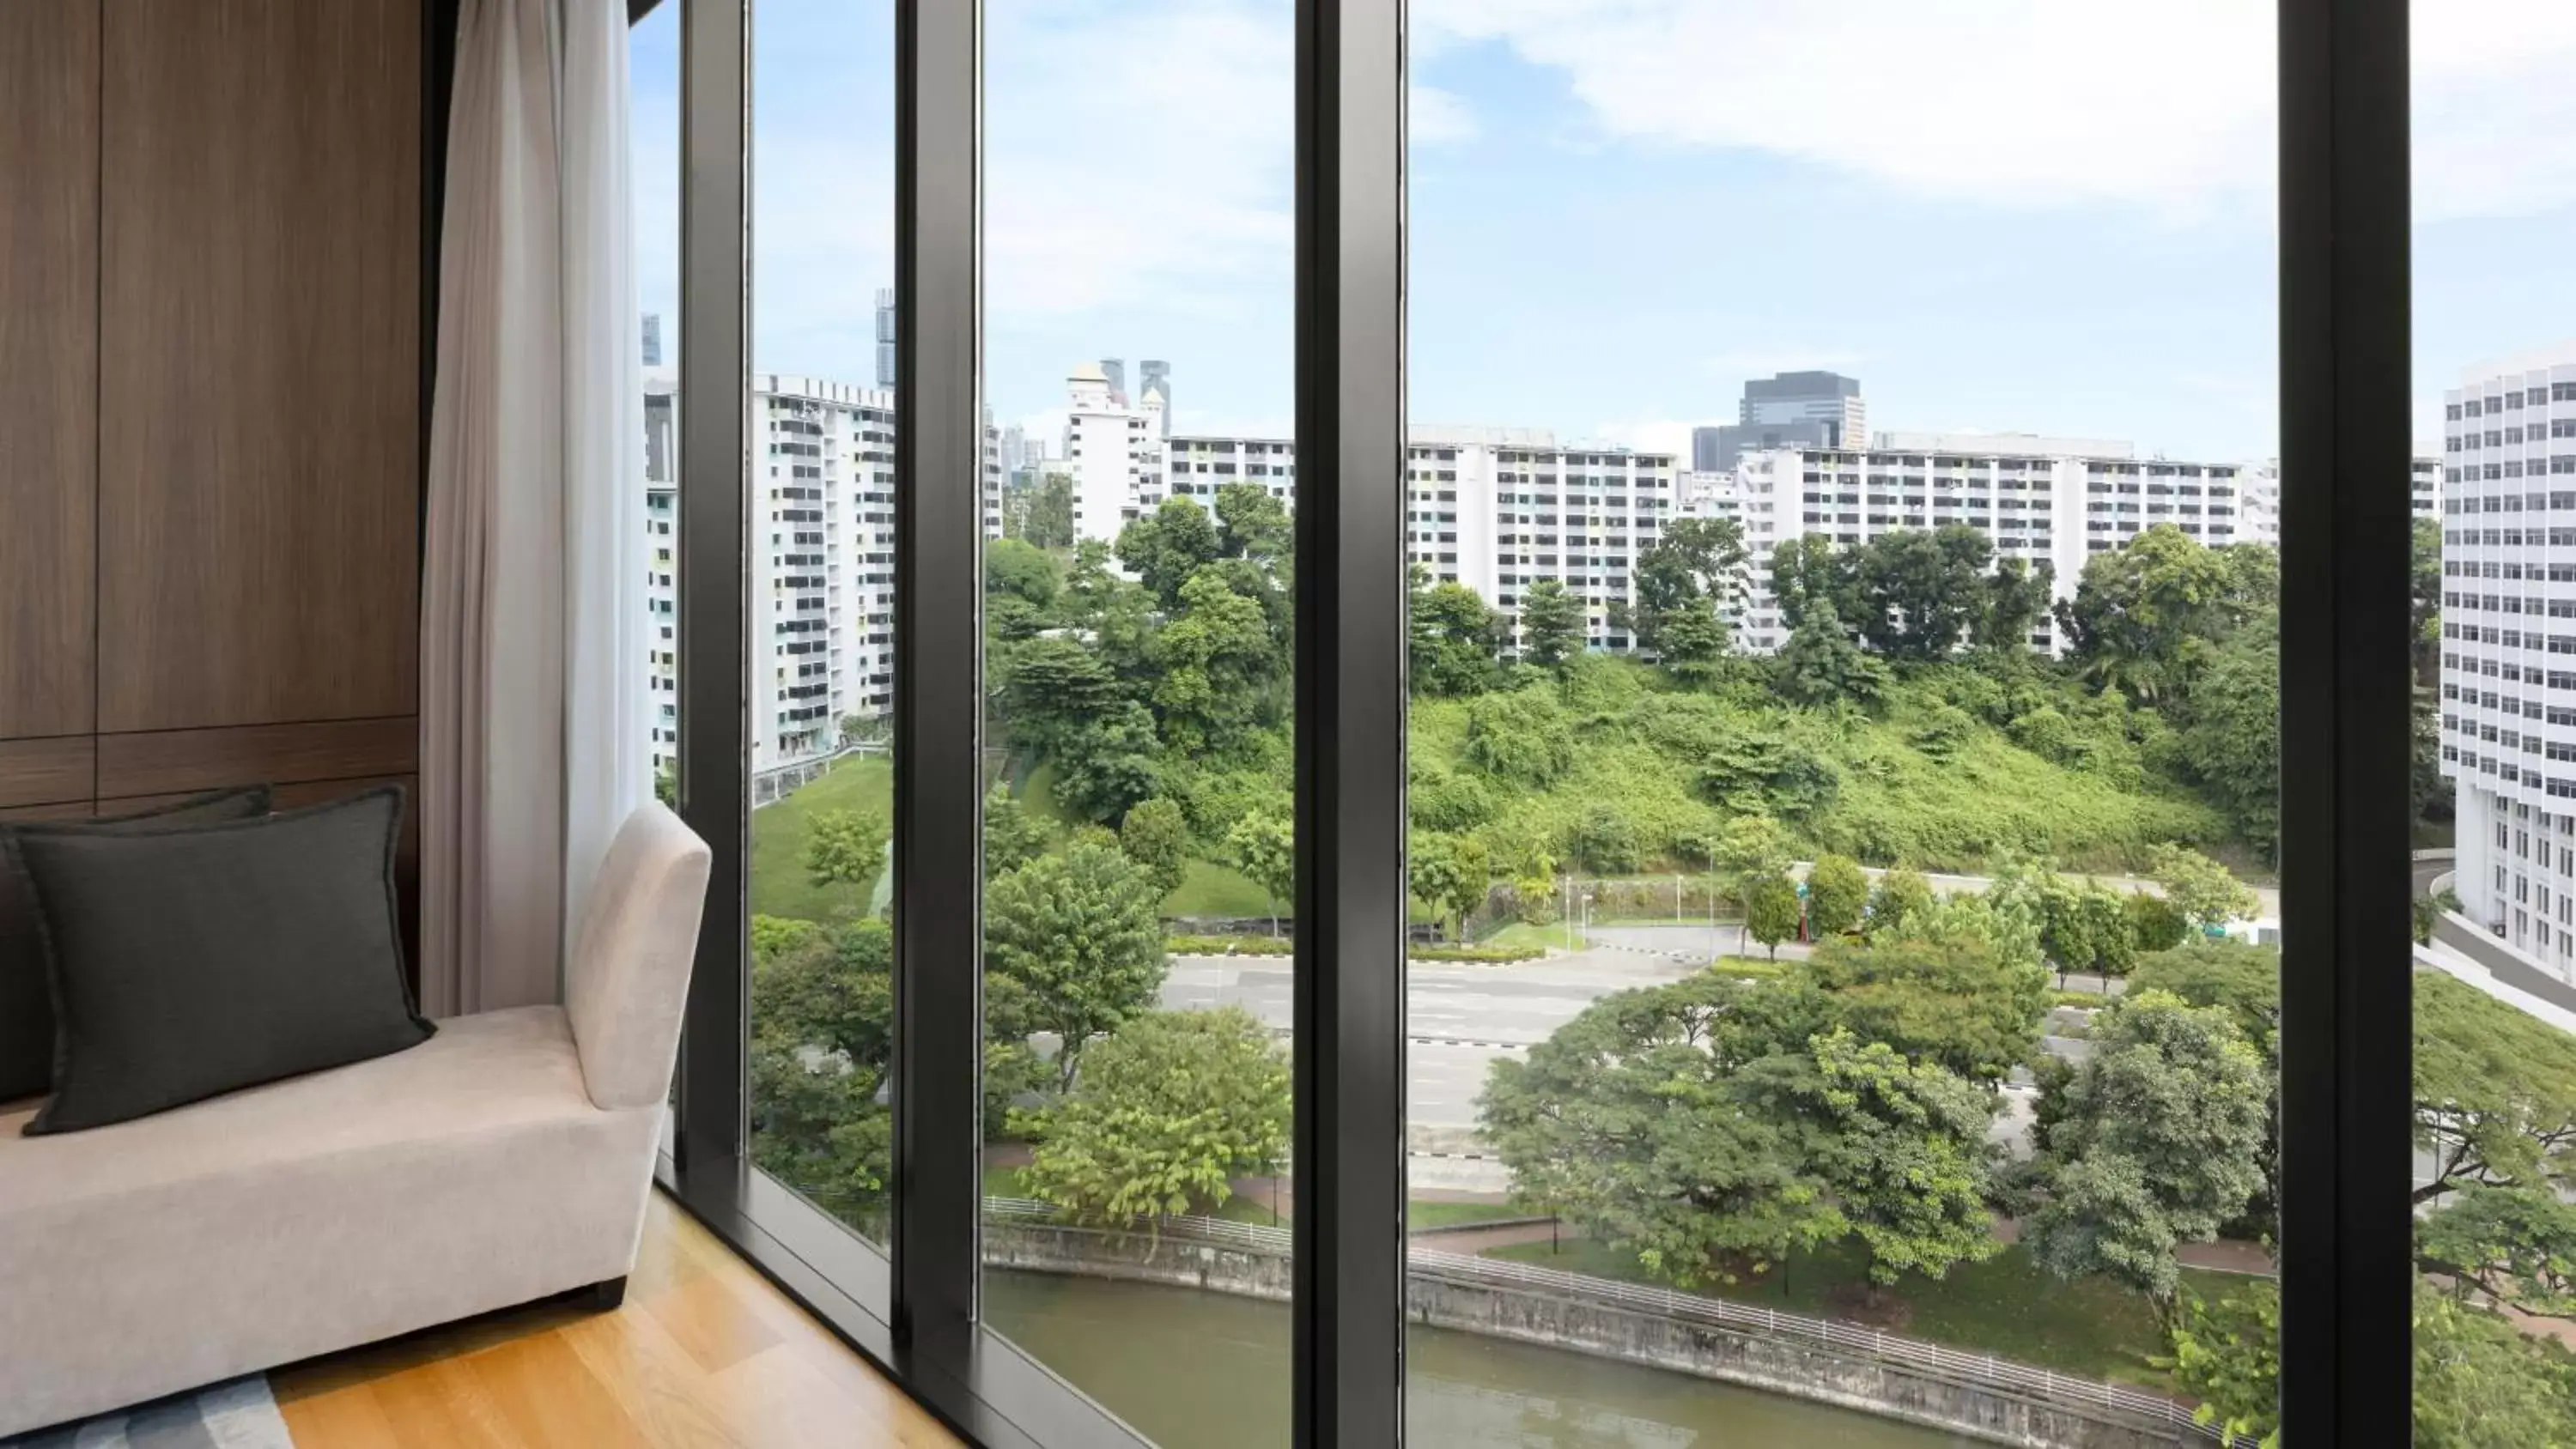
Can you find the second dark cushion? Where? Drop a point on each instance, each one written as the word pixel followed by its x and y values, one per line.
pixel 187 961
pixel 26 1002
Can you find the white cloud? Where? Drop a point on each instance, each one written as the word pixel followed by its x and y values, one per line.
pixel 1138 153
pixel 1436 117
pixel 2163 104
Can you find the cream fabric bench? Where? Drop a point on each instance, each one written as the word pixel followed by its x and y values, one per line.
pixel 504 1160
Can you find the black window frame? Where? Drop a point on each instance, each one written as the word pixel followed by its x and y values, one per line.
pixel 2344 346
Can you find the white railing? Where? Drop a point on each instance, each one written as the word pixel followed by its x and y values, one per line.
pixel 1984 1370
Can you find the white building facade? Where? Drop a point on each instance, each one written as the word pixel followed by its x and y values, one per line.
pixel 2051 502
pixel 2508 727
pixel 820 563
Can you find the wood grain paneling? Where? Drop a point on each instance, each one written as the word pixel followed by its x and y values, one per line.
pixel 48 363
pixel 164 762
pixel 260 313
pixel 47 772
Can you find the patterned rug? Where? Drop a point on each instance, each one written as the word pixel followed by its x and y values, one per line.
pixel 236 1415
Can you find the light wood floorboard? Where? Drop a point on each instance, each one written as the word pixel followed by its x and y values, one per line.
pixel 704 1354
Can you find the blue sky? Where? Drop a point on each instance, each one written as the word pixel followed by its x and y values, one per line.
pixel 2029 215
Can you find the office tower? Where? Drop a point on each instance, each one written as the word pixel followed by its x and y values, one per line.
pixel 2509 647
pixel 1792 410
pixel 1114 370
pixel 1706 444
pixel 1154 381
pixel 652 339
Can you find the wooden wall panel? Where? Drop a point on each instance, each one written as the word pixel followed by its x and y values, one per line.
pixel 49 61
pixel 177 761
pixel 260 322
pixel 47 772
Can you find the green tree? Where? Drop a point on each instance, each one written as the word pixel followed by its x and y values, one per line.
pixel 666 787
pixel 1922 593
pixel 1078 939
pixel 1264 847
pixel 1475 881
pixel 1899 893
pixel 1166 548
pixel 1770 909
pixel 1110 763
pixel 2155 1139
pixel 1047 519
pixel 1012 836
pixel 1605 839
pixel 2016 597
pixel 1634 1122
pixel 2482 1383
pixel 2154 925
pixel 1252 524
pixel 1522 737
pixel 1751 848
pixel 1455 638
pixel 2428 913
pixel 2228 1355
pixel 845 847
pixel 822 1033
pixel 1837 893
pixel 1551 624
pixel 1938 991
pixel 1693 641
pixel 2516 1244
pixel 1431 871
pixel 1156 836
pixel 1021 570
pixel 2495 1091
pixel 1820 665
pixel 1696 560
pixel 1901 1146
pixel 1216 668
pixel 2144 614
pixel 2200 888
pixel 2232 732
pixel 1169 1110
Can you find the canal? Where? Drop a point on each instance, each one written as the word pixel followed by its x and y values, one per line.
pixel 1197 1370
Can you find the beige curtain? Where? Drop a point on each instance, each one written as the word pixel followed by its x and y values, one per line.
pixel 533 714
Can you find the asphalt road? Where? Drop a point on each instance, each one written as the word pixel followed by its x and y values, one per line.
pixel 2487 951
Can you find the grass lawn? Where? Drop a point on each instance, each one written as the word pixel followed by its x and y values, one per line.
pixel 2007 1305
pixel 1212 890
pixel 1521 934
pixel 1419 1214
pixel 778 883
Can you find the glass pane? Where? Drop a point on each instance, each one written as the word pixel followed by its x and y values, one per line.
pixel 1844 725
pixel 653 143
pixel 2494 780
pixel 821 603
pixel 1138 613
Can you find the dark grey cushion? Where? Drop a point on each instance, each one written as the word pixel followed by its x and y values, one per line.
pixel 190 960
pixel 26 1002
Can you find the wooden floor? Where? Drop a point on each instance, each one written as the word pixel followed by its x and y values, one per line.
pixel 704 1353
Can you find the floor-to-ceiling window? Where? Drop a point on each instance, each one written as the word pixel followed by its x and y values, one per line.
pixel 1843 742
pixel 1838 523
pixel 2492 787
pixel 1139 936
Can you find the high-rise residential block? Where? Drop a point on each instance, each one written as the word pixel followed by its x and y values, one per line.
pixel 2508 668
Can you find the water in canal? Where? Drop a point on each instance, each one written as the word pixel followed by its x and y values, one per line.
pixel 1196 1370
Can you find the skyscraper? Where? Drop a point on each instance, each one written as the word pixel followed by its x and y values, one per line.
pixel 1705 444
pixel 1115 370
pixel 885 338
pixel 652 339
pixel 1154 379
pixel 1792 410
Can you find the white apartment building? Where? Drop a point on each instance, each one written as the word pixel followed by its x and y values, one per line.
pixel 820 559
pixel 2051 502
pixel 2259 513
pixel 1114 452
pixel 1496 509
pixel 2508 499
